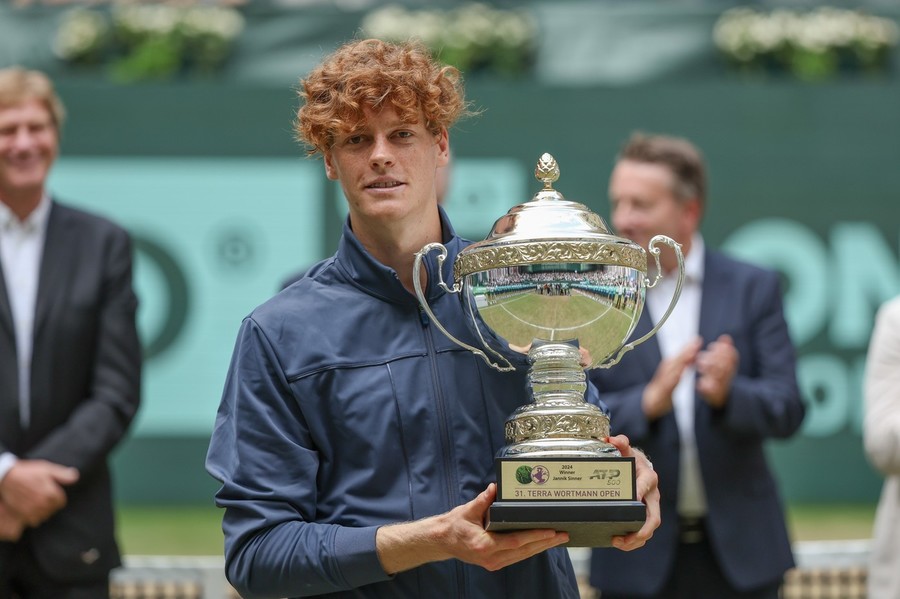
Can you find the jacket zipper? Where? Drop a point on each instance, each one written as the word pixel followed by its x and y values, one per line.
pixel 450 467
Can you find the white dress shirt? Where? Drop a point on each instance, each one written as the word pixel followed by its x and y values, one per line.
pixel 21 248
pixel 680 328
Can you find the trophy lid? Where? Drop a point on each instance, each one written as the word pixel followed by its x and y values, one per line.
pixel 549 229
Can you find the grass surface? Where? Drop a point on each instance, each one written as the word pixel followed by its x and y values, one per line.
pixel 825 522
pixel 196 530
pixel 170 530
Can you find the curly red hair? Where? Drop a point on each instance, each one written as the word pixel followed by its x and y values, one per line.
pixel 373 74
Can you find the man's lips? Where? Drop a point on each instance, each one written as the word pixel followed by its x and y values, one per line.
pixel 384 184
pixel 29 161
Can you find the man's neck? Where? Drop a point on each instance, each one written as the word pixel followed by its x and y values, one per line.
pixel 396 246
pixel 21 203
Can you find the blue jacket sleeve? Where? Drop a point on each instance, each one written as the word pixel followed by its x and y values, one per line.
pixel 592 396
pixel 626 413
pixel 262 453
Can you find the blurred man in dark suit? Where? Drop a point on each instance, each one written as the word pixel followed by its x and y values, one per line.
pixel 69 362
pixel 701 397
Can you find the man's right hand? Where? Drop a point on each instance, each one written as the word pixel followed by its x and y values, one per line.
pixel 34 489
pixel 11 525
pixel 468 541
pixel 460 534
pixel 657 399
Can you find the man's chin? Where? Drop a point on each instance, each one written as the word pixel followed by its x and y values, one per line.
pixel 26 182
pixel 21 189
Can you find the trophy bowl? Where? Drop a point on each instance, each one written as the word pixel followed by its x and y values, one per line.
pixel 551 281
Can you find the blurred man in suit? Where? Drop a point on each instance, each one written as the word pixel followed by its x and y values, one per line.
pixel 69 362
pixel 700 398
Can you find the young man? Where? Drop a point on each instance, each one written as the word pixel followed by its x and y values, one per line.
pixel 70 362
pixel 354 441
pixel 701 397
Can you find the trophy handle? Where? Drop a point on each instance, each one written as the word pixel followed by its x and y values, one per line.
pixel 417 283
pixel 655 252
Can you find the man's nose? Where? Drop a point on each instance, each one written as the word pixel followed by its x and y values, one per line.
pixel 382 155
pixel 22 138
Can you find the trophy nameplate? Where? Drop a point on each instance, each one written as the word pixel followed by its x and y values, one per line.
pixel 591 499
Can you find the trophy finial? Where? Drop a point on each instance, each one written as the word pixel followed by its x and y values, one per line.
pixel 547 170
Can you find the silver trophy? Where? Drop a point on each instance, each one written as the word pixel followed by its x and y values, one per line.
pixel 552 282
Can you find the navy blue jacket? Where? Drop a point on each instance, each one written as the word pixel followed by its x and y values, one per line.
pixel 346 409
pixel 745 520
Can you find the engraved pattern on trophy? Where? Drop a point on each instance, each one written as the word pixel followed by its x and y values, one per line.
pixel 559 422
pixel 550 251
pixel 529 428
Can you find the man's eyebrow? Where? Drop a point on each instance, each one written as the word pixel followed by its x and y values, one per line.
pixel 349 133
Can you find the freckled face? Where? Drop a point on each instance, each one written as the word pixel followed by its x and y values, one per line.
pixel 29 144
pixel 387 168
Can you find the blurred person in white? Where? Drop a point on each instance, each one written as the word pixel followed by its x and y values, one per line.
pixel 881 435
pixel 70 362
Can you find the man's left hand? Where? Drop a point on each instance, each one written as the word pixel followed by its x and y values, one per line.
pixel 35 489
pixel 716 367
pixel 647 485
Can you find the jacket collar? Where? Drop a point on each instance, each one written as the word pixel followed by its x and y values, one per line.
pixel 57 263
pixel 381 281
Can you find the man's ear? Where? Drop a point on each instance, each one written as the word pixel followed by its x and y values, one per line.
pixel 330 171
pixel 443 143
pixel 693 209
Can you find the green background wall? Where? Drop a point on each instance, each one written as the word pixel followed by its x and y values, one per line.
pixel 804 178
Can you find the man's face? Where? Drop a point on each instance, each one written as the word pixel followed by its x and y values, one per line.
pixel 29 144
pixel 387 168
pixel 643 204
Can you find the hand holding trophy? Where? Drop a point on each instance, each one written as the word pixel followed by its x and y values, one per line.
pixel 552 282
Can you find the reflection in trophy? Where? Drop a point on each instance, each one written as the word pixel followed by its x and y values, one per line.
pixel 552 282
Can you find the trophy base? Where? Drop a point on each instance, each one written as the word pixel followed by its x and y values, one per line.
pixel 589 523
